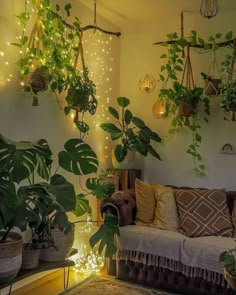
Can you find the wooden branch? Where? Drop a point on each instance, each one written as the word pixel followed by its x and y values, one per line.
pixel 118 34
pixel 209 45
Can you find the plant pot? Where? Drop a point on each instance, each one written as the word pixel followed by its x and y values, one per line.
pixel 10 257
pixel 62 246
pixel 212 87
pixel 30 257
pixel 230 278
pixel 38 79
pixel 186 110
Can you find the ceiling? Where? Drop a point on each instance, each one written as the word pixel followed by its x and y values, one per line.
pixel 125 12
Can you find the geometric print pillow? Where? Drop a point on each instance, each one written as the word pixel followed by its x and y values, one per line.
pixel 203 212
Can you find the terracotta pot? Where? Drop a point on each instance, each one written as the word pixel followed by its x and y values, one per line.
pixel 186 111
pixel 212 87
pixel 10 257
pixel 38 79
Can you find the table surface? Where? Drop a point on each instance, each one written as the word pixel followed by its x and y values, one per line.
pixel 43 266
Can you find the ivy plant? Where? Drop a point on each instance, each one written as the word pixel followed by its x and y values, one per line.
pixel 183 102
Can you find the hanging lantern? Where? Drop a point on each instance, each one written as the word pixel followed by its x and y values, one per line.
pixel 159 109
pixel 147 84
pixel 209 8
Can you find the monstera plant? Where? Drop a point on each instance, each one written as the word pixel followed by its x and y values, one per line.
pixel 35 203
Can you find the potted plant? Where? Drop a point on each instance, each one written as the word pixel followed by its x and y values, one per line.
pixel 228 258
pixel 133 134
pixel 183 102
pixel 49 56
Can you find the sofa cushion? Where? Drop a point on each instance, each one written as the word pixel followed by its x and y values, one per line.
pixel 145 202
pixel 203 212
pixel 166 216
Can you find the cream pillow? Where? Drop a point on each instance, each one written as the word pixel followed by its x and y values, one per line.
pixel 145 201
pixel 166 216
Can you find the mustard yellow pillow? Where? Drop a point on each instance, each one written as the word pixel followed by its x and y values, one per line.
pixel 145 201
pixel 166 216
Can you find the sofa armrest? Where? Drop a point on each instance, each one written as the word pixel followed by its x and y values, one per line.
pixel 121 204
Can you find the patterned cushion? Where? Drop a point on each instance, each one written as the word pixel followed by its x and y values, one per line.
pixel 203 212
pixel 166 216
pixel 145 201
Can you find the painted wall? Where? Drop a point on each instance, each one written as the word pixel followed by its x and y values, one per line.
pixel 138 57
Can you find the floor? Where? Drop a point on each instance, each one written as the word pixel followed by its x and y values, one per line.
pixel 52 284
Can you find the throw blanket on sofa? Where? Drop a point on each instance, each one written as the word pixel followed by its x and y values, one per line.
pixel 194 257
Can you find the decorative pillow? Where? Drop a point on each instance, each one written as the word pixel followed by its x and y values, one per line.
pixel 145 202
pixel 203 212
pixel 166 216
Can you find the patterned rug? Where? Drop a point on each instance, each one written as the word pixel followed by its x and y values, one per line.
pixel 102 286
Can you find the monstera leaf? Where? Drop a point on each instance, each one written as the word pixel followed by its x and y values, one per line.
pixel 8 202
pixel 105 235
pixel 82 205
pixel 78 157
pixel 64 192
pixel 21 159
pixel 100 188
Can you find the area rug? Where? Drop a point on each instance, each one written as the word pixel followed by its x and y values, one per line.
pixel 102 286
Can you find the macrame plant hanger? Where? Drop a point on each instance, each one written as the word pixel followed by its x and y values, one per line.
pixel 80 53
pixel 187 79
pixel 230 77
pixel 211 88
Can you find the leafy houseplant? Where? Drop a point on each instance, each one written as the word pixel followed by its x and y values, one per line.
pixel 48 59
pixel 131 131
pixel 183 102
pixel 228 258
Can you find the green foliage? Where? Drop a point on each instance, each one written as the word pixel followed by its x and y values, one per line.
pixel 228 259
pixel 131 131
pixel 181 101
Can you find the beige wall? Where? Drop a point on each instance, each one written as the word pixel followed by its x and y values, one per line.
pixel 138 57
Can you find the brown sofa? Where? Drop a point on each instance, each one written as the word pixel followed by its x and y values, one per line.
pixel 124 206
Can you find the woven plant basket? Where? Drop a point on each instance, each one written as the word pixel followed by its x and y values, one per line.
pixel 30 257
pixel 62 246
pixel 10 257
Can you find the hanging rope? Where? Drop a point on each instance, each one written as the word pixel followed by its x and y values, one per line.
pixel 95 16
pixel 188 71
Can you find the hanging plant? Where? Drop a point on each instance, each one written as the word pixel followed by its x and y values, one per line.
pixel 228 86
pixel 48 59
pixel 183 101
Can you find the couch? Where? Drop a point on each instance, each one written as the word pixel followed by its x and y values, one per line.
pixel 167 258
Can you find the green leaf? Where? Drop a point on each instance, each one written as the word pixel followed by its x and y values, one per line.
pixel 112 129
pixel 113 112
pixel 229 35
pixel 128 117
pixel 8 202
pixel 67 110
pixel 67 9
pixel 78 157
pixel 20 159
pixel 123 101
pixel 64 192
pixel 163 55
pixel 178 68
pixel 82 205
pixel 153 152
pixel 138 122
pixel 105 236
pixel 120 152
pixel 198 137
pixel 82 126
pixel 101 189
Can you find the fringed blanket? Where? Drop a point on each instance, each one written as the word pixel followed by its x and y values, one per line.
pixel 194 257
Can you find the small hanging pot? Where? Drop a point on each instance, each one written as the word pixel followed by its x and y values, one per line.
pixel 187 111
pixel 212 87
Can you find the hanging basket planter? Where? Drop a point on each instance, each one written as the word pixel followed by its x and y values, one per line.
pixel 37 80
pixel 187 110
pixel 212 87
